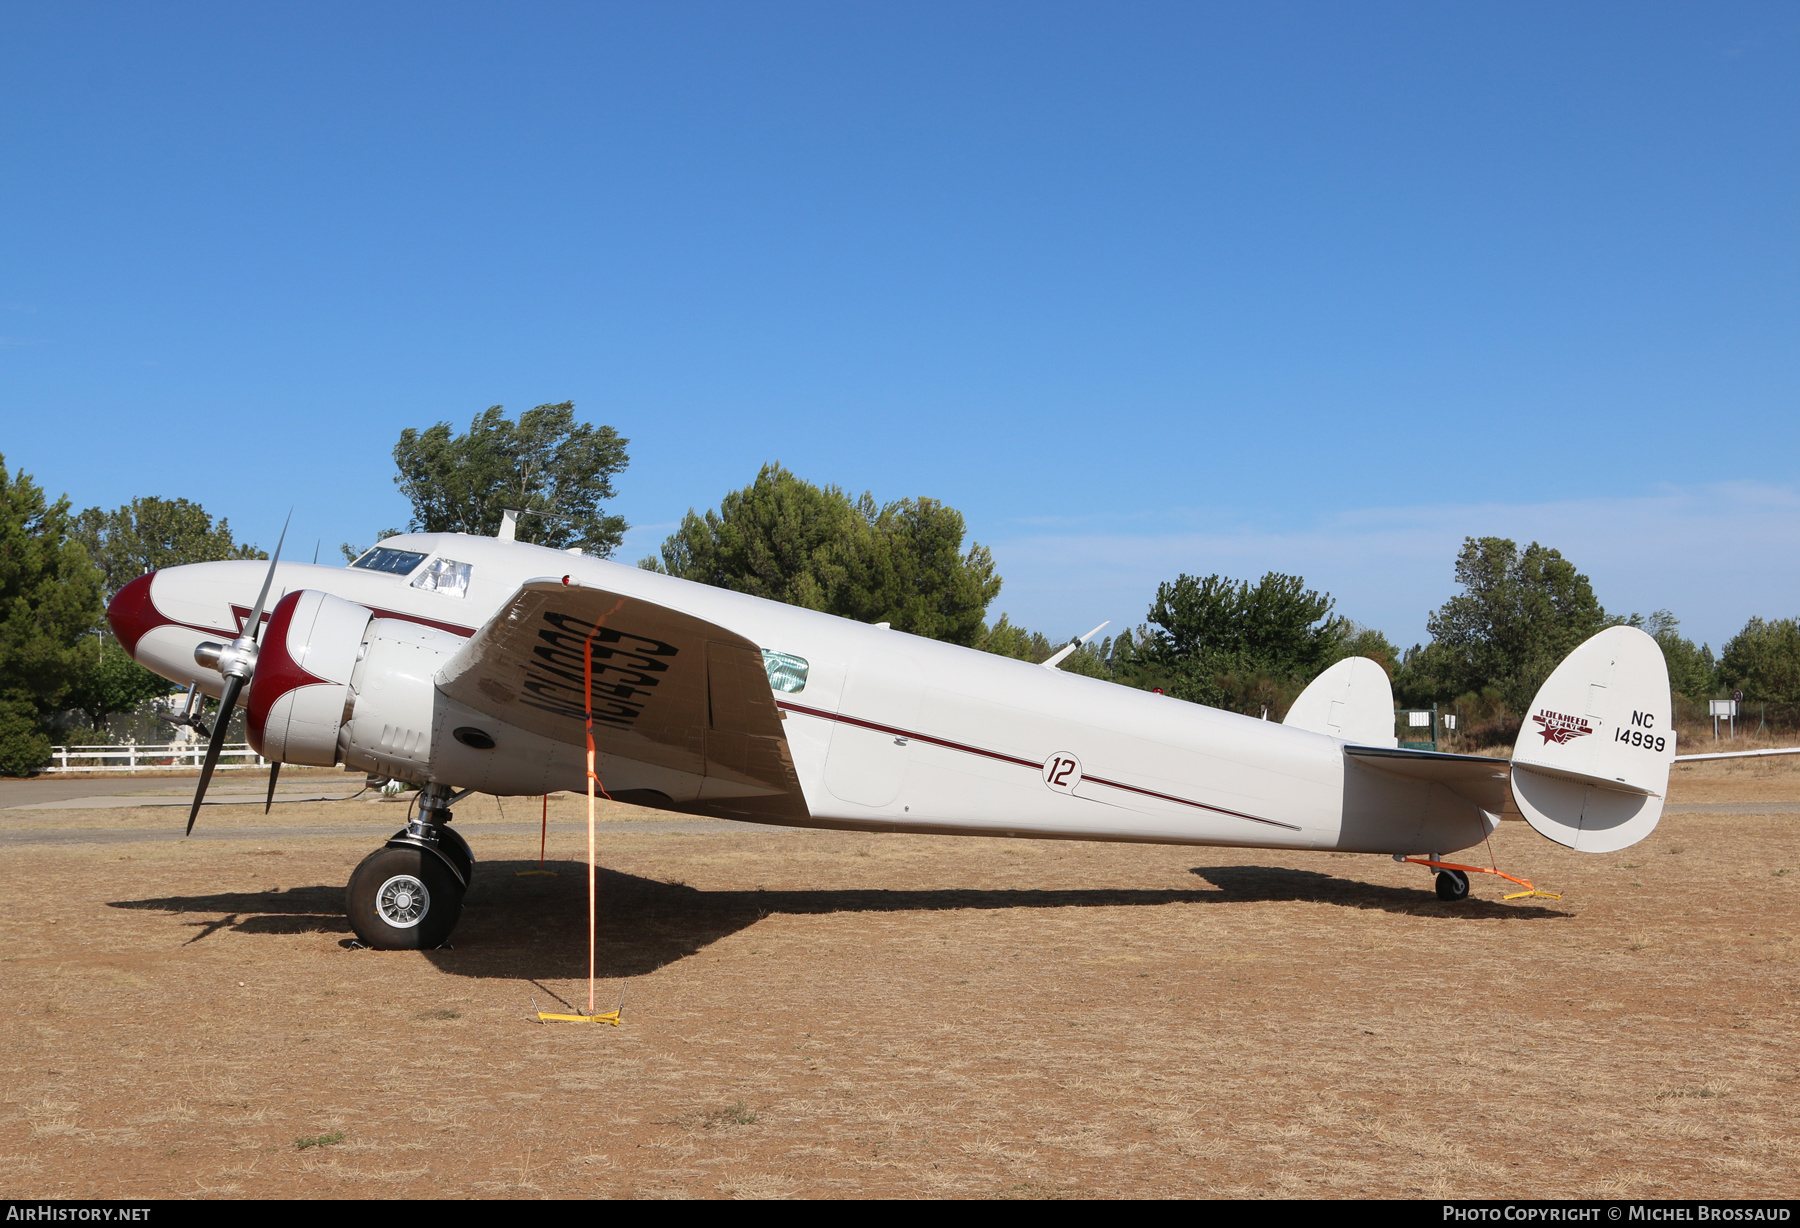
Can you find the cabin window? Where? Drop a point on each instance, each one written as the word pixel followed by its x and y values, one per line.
pixel 445 576
pixel 394 562
pixel 786 672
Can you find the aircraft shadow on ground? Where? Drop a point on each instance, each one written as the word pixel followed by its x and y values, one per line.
pixel 1274 884
pixel 517 926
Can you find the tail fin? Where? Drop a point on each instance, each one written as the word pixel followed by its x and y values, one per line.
pixel 1352 700
pixel 1592 764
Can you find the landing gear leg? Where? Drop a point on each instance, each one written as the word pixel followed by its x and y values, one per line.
pixel 1452 885
pixel 408 896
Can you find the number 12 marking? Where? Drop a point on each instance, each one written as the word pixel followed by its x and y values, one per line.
pixel 1062 772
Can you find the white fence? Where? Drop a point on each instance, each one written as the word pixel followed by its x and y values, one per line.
pixel 150 757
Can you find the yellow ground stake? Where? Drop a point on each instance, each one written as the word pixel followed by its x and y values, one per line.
pixel 611 1016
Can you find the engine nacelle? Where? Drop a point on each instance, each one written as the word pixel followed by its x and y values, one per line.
pixel 396 708
pixel 300 695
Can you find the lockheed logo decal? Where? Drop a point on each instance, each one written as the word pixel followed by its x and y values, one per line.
pixel 1559 727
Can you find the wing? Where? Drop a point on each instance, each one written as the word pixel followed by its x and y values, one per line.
pixel 667 689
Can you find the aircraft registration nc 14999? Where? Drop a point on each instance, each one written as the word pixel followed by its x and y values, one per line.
pixel 466 664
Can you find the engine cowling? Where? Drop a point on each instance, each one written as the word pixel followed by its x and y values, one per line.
pixel 395 716
pixel 300 695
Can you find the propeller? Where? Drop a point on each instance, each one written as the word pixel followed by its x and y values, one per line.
pixel 274 772
pixel 237 663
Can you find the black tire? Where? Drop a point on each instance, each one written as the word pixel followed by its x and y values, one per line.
pixel 456 849
pixel 1452 885
pixel 403 899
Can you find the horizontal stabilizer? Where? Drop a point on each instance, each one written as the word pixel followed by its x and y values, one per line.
pixel 1477 778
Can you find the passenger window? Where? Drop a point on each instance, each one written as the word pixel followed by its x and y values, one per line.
pixel 394 562
pixel 786 672
pixel 444 576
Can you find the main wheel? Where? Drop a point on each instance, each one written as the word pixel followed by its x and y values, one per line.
pixel 403 899
pixel 454 847
pixel 1452 885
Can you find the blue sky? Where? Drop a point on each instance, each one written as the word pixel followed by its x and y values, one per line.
pixel 1142 289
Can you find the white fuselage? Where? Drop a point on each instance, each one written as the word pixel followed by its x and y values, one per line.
pixel 890 731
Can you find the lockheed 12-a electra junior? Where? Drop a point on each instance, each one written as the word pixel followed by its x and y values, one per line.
pixel 464 663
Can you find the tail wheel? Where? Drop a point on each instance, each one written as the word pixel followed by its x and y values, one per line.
pixel 403 899
pixel 1452 885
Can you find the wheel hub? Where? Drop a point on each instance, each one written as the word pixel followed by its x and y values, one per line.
pixel 403 901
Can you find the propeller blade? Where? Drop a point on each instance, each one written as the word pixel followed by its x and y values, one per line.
pixel 274 771
pixel 221 722
pixel 253 628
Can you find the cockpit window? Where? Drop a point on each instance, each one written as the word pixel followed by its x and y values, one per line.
pixel 445 576
pixel 394 562
pixel 786 672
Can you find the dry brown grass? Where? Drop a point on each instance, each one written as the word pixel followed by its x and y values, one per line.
pixel 825 1014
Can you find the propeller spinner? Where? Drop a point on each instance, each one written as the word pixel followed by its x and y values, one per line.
pixel 236 661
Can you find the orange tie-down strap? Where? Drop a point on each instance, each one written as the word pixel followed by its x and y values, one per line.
pixel 1451 865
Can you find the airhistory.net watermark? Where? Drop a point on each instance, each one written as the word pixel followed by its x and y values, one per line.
pixel 64 1213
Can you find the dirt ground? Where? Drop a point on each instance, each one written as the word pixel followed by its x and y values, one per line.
pixel 824 1014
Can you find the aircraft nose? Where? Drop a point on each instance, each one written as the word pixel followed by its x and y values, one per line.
pixel 131 613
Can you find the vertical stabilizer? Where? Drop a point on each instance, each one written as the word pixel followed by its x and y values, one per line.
pixel 1592 764
pixel 1352 700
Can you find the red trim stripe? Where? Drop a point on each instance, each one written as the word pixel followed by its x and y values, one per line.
pixel 242 614
pixel 277 672
pixel 1015 760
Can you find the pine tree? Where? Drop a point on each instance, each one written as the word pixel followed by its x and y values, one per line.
pixel 49 605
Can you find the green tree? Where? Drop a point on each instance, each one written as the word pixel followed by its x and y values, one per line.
pixel 779 538
pixel 1693 674
pixel 1232 644
pixel 147 534
pixel 1764 660
pixel 785 539
pixel 151 534
pixel 49 601
pixel 907 568
pixel 545 463
pixel 1360 641
pixel 1519 614
pixel 110 681
pixel 1007 639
